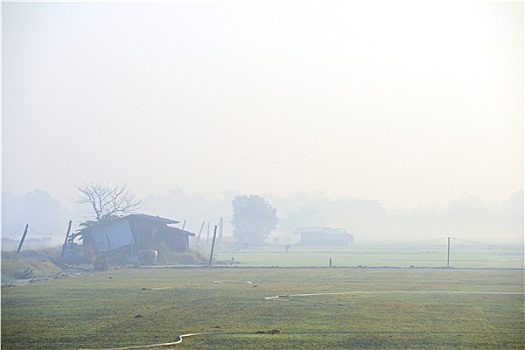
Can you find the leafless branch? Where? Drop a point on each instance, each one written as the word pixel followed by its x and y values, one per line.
pixel 106 201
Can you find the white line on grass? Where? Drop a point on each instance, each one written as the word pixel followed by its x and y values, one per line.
pixel 393 292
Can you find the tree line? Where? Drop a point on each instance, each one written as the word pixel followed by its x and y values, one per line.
pixel 466 217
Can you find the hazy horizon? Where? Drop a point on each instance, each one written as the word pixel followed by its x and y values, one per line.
pixel 465 218
pixel 406 104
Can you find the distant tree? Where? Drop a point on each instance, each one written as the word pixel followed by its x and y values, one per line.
pixel 253 219
pixel 105 201
pixel 43 211
pixel 38 209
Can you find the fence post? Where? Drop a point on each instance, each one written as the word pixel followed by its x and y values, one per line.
pixel 22 240
pixel 67 236
pixel 199 236
pixel 213 245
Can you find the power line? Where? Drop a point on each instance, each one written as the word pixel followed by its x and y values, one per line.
pixel 419 243
pixel 488 245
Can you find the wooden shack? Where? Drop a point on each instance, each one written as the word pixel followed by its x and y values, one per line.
pixel 121 239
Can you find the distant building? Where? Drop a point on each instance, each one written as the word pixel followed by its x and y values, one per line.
pixel 324 236
pixel 120 239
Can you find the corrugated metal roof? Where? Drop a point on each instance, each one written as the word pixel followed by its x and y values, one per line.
pixel 178 230
pixel 152 218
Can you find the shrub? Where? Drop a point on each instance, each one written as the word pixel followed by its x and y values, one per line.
pixel 29 264
pixel 170 257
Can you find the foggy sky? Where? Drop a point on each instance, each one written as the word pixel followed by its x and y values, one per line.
pixel 405 104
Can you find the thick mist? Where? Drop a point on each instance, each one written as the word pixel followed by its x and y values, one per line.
pixel 467 217
pixel 399 121
pixel 349 98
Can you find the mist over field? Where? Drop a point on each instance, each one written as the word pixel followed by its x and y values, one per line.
pixel 394 121
pixel 467 217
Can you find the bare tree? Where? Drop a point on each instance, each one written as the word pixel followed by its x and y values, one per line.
pixel 107 201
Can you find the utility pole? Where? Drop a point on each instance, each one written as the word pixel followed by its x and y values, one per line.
pixel 213 245
pixel 448 253
pixel 22 240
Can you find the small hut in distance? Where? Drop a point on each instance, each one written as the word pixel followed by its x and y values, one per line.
pixel 121 239
pixel 324 236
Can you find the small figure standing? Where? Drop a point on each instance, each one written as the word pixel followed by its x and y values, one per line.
pixel 330 261
pixel 287 248
pixel 232 261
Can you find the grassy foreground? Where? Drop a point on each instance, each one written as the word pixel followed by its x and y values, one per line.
pixel 394 309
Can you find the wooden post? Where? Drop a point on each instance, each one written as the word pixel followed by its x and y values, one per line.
pixel 448 253
pixel 199 236
pixel 67 236
pixel 22 240
pixel 213 245
pixel 208 235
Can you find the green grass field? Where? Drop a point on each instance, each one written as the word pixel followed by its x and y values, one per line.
pixel 237 307
pixel 462 255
